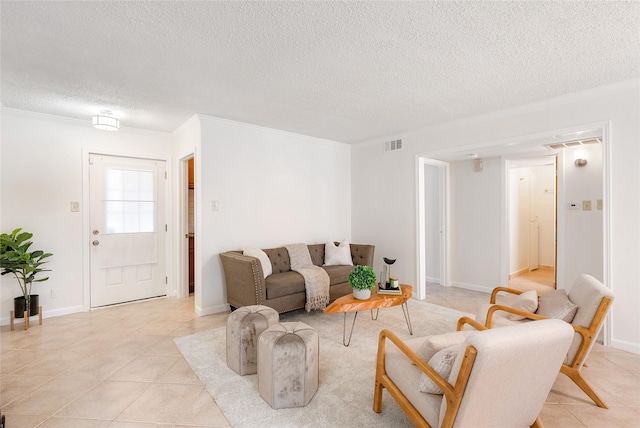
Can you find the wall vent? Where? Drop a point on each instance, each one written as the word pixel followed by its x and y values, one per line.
pixel 557 146
pixel 391 146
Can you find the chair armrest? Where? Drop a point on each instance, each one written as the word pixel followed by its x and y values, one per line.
pixel 495 308
pixel 473 323
pixel 445 386
pixel 497 290
pixel 244 279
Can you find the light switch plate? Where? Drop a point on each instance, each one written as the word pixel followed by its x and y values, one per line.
pixel 586 205
pixel 599 204
pixel 75 206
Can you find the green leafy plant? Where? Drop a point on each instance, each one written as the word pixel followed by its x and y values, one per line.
pixel 362 278
pixel 16 259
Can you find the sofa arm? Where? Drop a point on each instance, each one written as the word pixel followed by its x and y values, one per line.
pixel 244 279
pixel 362 254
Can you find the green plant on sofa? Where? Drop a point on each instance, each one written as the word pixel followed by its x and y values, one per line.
pixel 25 265
pixel 362 278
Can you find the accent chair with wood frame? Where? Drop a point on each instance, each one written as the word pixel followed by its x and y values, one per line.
pixel 593 300
pixel 499 377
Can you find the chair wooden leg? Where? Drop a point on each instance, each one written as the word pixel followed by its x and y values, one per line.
pixel 377 397
pixel 12 318
pixel 577 378
pixel 26 320
pixel 537 423
pixel 40 316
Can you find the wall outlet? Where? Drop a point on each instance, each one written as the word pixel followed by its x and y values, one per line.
pixel 215 206
pixel 55 293
pixel 586 205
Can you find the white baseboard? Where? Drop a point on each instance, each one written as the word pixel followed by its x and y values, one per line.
pixel 433 280
pixel 210 310
pixel 474 287
pixel 46 314
pixel 623 345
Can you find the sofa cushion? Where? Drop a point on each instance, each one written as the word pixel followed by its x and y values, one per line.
pixel 279 259
pixel 284 284
pixel 337 255
pixel 338 274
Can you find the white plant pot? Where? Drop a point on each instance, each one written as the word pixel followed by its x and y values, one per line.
pixel 362 294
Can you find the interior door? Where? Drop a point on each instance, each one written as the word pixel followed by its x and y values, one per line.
pixel 128 229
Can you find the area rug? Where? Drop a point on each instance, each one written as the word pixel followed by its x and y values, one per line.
pixel 347 374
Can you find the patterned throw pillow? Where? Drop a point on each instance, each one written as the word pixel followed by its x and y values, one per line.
pixel 556 304
pixel 442 363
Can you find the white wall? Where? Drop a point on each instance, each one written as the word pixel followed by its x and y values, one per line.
pixel 392 226
pixel 583 230
pixel 273 188
pixel 475 223
pixel 42 172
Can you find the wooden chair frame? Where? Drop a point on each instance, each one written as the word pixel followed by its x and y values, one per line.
pixel 452 393
pixel 588 336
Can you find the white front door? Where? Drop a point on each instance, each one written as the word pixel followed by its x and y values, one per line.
pixel 128 230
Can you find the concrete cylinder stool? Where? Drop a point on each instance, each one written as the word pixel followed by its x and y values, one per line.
pixel 244 325
pixel 288 364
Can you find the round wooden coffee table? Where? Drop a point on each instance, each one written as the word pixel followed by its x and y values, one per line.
pixel 377 301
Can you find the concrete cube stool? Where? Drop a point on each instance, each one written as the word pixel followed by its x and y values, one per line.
pixel 244 325
pixel 288 364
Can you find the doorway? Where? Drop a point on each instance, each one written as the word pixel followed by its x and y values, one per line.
pixel 531 199
pixel 191 236
pixel 127 252
pixel 433 231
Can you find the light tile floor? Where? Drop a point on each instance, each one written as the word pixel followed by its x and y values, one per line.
pixel 115 367
pixel 119 368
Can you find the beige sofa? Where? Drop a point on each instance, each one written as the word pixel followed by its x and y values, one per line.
pixel 284 289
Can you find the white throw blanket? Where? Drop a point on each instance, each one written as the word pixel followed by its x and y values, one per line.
pixel 316 280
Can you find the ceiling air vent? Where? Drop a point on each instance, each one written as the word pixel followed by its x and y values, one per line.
pixel 391 146
pixel 557 146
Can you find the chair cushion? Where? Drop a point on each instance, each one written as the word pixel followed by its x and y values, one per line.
pixel 336 256
pixel 406 376
pixel 441 362
pixel 527 301
pixel 556 304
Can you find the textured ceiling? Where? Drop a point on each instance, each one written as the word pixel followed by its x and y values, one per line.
pixel 346 71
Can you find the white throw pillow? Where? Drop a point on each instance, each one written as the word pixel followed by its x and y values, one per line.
pixel 442 363
pixel 437 342
pixel 337 256
pixel 527 301
pixel 267 269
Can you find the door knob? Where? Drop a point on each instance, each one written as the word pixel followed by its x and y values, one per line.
pixel 96 243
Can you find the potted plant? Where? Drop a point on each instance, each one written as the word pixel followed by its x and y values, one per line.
pixel 25 265
pixel 362 279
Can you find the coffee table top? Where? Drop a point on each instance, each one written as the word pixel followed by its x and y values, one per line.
pixel 349 303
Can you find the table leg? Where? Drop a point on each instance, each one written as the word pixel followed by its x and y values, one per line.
pixel 376 317
pixel 405 310
pixel 346 342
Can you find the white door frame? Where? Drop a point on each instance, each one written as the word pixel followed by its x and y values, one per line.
pixel 529 144
pixel 86 232
pixel 444 223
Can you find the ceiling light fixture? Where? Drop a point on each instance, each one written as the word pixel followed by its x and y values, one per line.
pixel 105 121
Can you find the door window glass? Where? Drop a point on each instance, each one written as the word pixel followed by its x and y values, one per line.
pixel 130 201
